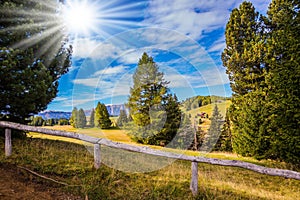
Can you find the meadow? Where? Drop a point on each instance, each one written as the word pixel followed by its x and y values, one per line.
pixel 73 164
pixel 127 175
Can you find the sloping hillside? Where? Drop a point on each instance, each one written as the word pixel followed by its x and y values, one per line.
pixel 208 110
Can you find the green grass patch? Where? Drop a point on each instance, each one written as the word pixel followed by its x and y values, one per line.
pixel 73 164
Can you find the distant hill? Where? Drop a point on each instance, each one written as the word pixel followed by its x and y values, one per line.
pixel 49 114
pixel 198 101
pixel 113 110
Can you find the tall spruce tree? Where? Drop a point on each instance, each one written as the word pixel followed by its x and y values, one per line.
pixel 92 118
pixel 265 110
pixel 122 119
pixel 283 79
pixel 74 118
pixel 214 130
pixel 173 120
pixel 244 51
pixel 243 58
pixel 33 56
pixel 224 142
pixel 81 119
pixel 102 116
pixel 154 111
pixel 149 89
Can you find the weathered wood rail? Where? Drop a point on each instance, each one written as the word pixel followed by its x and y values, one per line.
pixel 97 142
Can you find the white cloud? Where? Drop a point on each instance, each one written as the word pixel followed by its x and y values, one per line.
pixel 194 17
pixel 92 48
pixel 119 86
pixel 218 45
pixel 111 71
pixel 190 17
pixel 213 77
pixel 90 82
pixel 78 102
pixel 131 56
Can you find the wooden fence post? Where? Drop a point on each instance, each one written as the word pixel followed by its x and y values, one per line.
pixel 97 156
pixel 194 178
pixel 8 147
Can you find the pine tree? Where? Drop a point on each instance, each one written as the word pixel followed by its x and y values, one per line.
pixel 224 142
pixel 122 120
pixel 244 51
pixel 92 118
pixel 244 59
pixel 129 118
pixel 214 130
pixel 81 123
pixel 173 121
pixel 263 66
pixel 155 112
pixel 36 121
pixel 102 116
pixel 184 138
pixel 29 80
pixel 74 118
pixel 283 79
pixel 148 90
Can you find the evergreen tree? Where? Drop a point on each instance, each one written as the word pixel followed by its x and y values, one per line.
pixel 148 90
pixel 185 137
pixel 214 130
pixel 224 142
pixel 35 55
pixel 262 62
pixel 155 112
pixel 172 124
pixel 102 116
pixel 74 118
pixel 283 79
pixel 81 122
pixel 63 122
pixel 36 121
pixel 244 59
pixel 92 118
pixel 129 118
pixel 122 120
pixel 244 51
pixel 50 122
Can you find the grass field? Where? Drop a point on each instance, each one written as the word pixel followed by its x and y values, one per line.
pixel 112 134
pixel 73 164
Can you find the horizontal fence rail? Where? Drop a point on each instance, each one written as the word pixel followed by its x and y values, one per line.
pixel 146 150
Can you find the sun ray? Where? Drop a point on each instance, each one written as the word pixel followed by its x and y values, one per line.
pixel 49 44
pixel 34 39
pixel 123 10
pixel 29 26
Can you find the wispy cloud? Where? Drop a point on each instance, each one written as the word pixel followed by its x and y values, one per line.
pixel 111 71
pixel 93 48
pixel 90 82
pixel 218 45
pixel 190 17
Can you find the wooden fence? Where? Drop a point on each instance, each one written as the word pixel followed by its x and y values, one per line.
pixel 97 142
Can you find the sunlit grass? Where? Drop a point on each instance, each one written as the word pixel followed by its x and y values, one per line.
pixel 208 109
pixel 111 134
pixel 121 136
pixel 73 164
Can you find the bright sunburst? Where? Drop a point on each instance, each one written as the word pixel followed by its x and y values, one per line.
pixel 81 17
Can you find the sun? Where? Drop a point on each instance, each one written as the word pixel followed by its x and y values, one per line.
pixel 80 17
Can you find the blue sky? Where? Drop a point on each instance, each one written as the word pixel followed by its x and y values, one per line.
pixel 185 38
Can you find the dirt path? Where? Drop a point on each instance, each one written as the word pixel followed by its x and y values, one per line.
pixel 14 184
